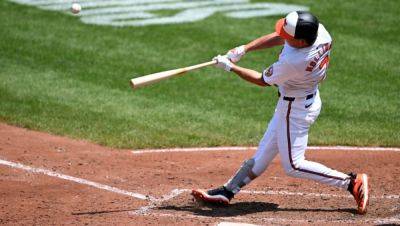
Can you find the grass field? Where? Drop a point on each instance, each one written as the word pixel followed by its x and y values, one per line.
pixel 64 77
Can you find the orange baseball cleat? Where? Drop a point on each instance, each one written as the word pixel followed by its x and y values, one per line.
pixel 359 189
pixel 218 196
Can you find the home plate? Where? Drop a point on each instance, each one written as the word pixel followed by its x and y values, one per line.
pixel 234 224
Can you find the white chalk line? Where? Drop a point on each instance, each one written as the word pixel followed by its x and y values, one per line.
pixel 75 179
pixel 146 209
pixel 322 195
pixel 145 151
pixel 313 148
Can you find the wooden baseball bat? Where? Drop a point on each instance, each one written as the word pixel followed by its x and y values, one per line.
pixel 156 77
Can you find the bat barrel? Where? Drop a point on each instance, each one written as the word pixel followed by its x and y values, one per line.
pixel 153 78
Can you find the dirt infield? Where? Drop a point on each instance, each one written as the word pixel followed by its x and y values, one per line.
pixel 45 179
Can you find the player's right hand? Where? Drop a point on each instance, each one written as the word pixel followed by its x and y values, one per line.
pixel 235 54
pixel 223 62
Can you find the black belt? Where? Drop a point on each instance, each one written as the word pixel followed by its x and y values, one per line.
pixel 293 98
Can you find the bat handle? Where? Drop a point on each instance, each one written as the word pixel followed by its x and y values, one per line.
pixel 197 66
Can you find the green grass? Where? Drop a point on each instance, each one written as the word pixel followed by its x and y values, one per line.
pixel 64 77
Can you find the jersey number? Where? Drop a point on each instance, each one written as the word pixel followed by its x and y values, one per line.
pixel 325 62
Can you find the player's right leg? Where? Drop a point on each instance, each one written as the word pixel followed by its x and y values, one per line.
pixel 292 136
pixel 250 169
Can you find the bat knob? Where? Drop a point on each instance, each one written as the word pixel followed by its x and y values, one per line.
pixel 132 84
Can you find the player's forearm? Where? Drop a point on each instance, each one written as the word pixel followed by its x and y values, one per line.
pixel 266 41
pixel 249 75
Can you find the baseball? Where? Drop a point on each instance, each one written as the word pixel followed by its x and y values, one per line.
pixel 76 8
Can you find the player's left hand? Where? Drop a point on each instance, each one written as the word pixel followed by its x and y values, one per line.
pixel 235 54
pixel 223 62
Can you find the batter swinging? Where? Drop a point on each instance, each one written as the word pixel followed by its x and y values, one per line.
pixel 301 66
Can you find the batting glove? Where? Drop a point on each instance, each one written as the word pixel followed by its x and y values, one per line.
pixel 235 54
pixel 223 62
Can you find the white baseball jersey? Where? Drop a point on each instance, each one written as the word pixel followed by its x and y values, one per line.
pixel 298 71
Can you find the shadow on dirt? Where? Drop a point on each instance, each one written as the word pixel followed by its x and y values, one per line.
pixel 235 209
pixel 242 208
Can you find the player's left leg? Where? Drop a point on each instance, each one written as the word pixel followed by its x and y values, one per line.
pixel 248 171
pixel 255 166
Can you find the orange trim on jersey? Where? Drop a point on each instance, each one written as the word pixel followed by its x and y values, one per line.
pixel 324 62
pixel 280 31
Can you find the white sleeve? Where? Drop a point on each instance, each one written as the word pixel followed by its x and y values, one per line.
pixel 278 73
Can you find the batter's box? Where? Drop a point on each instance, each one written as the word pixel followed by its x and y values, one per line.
pixel 261 208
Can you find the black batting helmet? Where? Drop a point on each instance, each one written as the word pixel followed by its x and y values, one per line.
pixel 298 25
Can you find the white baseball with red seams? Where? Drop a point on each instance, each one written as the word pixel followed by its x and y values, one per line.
pixel 76 8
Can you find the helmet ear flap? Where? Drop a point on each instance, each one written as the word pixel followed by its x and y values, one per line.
pixel 310 33
pixel 307 27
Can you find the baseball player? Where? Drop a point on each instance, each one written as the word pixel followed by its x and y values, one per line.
pixel 301 66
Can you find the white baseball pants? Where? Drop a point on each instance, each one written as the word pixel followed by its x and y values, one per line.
pixel 287 134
